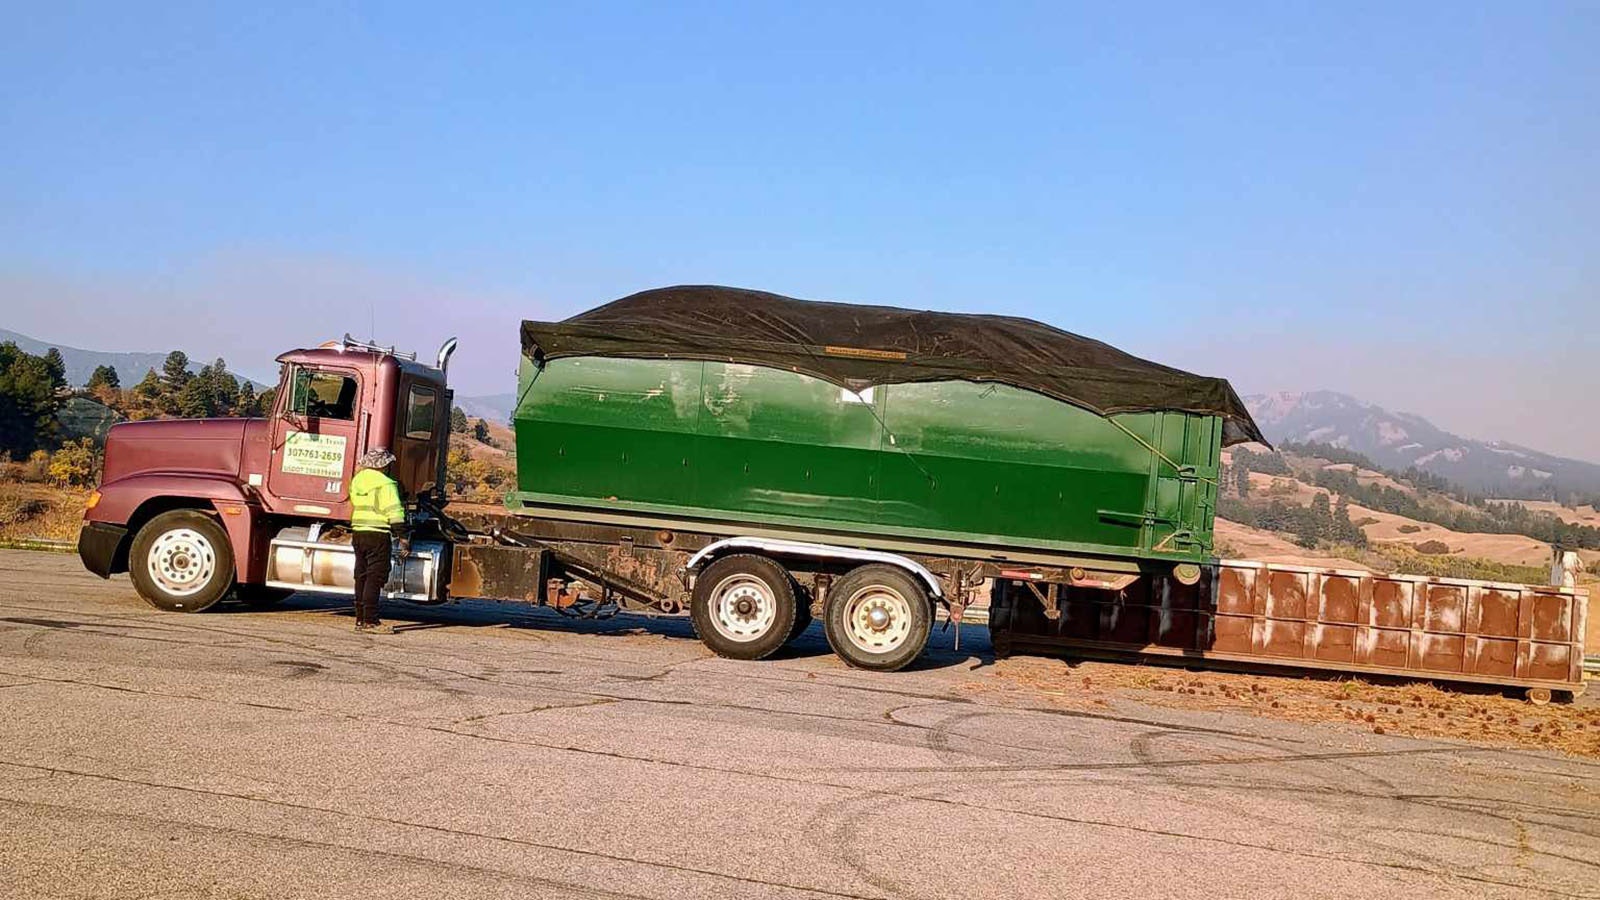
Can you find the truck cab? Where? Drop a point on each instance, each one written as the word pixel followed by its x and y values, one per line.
pixel 195 508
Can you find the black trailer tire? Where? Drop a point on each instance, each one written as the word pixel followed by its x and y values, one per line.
pixel 181 561
pixel 878 617
pixel 259 596
pixel 743 606
pixel 802 614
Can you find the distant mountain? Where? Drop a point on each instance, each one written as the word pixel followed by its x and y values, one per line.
pixel 1401 440
pixel 494 408
pixel 130 366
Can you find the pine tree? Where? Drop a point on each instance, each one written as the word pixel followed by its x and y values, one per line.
pixel 458 420
pixel 147 400
pixel 57 367
pixel 104 376
pixel 28 402
pixel 175 370
pixel 480 431
pixel 224 389
pixel 1321 515
pixel 1344 529
pixel 247 400
pixel 198 397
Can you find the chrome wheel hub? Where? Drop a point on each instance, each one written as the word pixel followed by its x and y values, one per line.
pixel 877 619
pixel 182 561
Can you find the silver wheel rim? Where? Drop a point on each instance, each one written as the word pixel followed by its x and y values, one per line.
pixel 182 561
pixel 877 619
pixel 743 608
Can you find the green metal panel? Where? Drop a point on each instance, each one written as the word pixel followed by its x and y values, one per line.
pixel 787 444
pixel 995 459
pixel 610 428
pixel 949 461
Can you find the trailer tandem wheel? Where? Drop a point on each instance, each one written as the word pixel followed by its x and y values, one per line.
pixel 802 613
pixel 878 617
pixel 744 606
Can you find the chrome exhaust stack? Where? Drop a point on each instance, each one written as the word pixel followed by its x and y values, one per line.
pixel 446 350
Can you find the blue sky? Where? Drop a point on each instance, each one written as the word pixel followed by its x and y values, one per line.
pixel 1395 200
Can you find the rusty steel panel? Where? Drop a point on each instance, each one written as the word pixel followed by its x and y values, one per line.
pixel 496 572
pixel 1300 616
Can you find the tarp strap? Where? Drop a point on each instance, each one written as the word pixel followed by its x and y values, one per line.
pixel 1152 448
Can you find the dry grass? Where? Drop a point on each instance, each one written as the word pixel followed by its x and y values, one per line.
pixel 40 512
pixel 1414 709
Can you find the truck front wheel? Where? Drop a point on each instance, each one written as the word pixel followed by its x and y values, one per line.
pixel 878 617
pixel 743 606
pixel 181 561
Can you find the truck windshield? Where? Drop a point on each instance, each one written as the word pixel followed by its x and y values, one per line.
pixel 325 395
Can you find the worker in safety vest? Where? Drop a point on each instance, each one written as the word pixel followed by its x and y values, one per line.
pixel 375 513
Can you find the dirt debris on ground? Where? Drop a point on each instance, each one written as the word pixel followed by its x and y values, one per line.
pixel 1411 709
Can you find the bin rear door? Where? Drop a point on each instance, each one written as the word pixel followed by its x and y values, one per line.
pixel 1185 484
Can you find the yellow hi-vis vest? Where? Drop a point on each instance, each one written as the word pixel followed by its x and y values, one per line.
pixel 374 502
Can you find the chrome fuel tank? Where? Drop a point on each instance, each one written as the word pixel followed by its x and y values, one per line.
pixel 303 559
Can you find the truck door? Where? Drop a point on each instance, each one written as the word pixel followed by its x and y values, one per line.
pixel 316 440
pixel 416 434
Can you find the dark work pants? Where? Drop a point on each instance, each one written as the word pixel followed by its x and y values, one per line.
pixel 372 573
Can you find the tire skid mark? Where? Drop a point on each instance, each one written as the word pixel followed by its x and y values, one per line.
pixel 834 681
pixel 954 699
pixel 1139 765
pixel 438 829
pixel 834 829
pixel 1142 747
pixel 372 666
pixel 530 880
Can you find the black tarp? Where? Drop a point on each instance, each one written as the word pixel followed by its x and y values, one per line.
pixel 856 346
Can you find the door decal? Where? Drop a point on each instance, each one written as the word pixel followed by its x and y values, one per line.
pixel 318 455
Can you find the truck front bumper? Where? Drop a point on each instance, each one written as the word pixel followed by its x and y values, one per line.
pixel 98 544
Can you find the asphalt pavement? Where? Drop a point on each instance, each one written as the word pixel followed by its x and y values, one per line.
pixel 499 751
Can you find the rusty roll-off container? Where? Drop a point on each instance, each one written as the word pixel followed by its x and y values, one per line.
pixel 1448 629
pixel 899 455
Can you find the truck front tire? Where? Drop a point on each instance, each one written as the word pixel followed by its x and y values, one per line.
pixel 878 617
pixel 743 606
pixel 181 561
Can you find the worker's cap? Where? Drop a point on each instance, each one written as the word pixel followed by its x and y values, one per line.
pixel 376 458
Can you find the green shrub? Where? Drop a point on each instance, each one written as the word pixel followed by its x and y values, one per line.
pixel 76 464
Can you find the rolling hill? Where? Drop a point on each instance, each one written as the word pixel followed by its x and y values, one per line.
pixel 130 366
pixel 1393 539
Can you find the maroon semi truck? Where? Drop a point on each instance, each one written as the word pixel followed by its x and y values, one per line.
pixel 192 509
